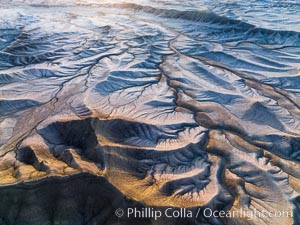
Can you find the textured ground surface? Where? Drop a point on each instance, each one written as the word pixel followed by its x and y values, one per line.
pixel 186 105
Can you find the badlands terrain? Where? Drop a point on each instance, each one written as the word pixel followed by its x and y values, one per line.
pixel 117 104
